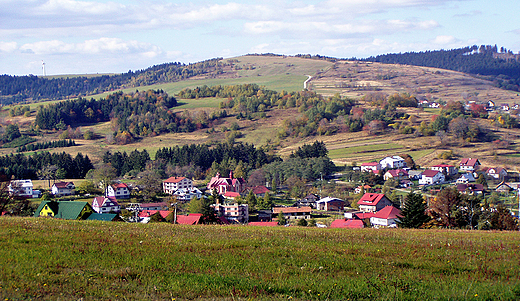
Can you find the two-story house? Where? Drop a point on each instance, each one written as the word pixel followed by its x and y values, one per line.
pixel 372 202
pixel 393 162
pixel 63 188
pixel 119 191
pixel 429 177
pixel 173 184
pixel 102 204
pixel 469 164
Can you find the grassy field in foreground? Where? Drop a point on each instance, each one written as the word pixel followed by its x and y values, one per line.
pixel 45 259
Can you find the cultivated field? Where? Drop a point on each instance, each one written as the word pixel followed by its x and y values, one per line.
pixel 46 259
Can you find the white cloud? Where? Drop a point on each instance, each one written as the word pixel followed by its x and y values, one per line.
pixel 97 46
pixel 8 46
pixel 444 40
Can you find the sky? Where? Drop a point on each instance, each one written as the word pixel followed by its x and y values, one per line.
pixel 114 36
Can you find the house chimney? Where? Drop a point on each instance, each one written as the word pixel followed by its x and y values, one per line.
pixel 231 174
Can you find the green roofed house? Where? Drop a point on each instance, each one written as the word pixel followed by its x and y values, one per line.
pixel 64 209
pixel 106 217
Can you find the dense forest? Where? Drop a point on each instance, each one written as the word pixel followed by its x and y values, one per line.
pixel 16 89
pixel 43 165
pixel 136 114
pixel 499 65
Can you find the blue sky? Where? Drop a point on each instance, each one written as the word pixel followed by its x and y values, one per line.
pixel 100 36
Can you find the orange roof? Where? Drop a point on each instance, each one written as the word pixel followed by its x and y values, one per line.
pixel 174 179
pixel 306 209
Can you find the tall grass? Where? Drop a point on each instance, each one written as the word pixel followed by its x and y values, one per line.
pixel 45 259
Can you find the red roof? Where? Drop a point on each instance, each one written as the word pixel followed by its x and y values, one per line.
pixel 231 194
pixel 395 172
pixel 260 190
pixel 389 212
pixel 430 173
pixel 265 224
pixel 347 223
pixel 468 162
pixel 174 179
pixel 370 199
pixel 62 184
pixel 120 185
pixel 148 213
pixel 191 219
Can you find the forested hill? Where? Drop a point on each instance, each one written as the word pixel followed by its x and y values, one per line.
pixel 15 89
pixel 502 67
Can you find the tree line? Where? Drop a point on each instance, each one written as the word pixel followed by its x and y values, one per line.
pixel 21 88
pixel 501 67
pixel 19 166
pixel 46 145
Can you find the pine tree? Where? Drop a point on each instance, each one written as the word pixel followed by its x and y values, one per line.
pixel 414 212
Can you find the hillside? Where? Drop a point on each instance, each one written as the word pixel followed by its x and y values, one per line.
pixel 355 80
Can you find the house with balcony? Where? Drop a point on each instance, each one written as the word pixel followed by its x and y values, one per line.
pixel 172 184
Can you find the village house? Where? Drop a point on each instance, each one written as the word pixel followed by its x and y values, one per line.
pixel 503 187
pixel 190 219
pixel 223 185
pixel 187 194
pixel 106 217
pixel 365 188
pixel 469 164
pixel 119 191
pixel 259 191
pixel 21 188
pixel 414 174
pixel 371 167
pixel 233 213
pixel 330 204
pixel 497 173
pixel 398 174
pixel 292 212
pixel 103 204
pixel 63 188
pixel 470 189
pixel 466 178
pixel 447 170
pixel 172 184
pixel 386 217
pixel 70 210
pixel 309 200
pixel 430 177
pixel 347 223
pixel 372 202
pixel 147 206
pixel 393 162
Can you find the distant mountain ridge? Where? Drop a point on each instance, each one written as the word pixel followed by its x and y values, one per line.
pixel 503 67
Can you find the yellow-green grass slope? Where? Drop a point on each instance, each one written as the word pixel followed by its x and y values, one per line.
pixel 45 259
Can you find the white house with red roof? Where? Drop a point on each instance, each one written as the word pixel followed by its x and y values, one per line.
pixel 429 177
pixel 393 162
pixel 386 217
pixel 496 172
pixel 371 167
pixel 119 191
pixel 223 185
pixel 63 188
pixel 173 184
pixel 398 174
pixel 469 164
pixel 372 202
pixel 103 204
pixel 448 170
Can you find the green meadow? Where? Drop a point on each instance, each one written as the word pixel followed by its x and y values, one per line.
pixel 45 259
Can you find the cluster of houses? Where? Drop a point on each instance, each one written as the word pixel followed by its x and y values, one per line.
pixel 464 176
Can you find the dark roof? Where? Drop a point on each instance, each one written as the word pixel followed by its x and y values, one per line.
pixel 107 217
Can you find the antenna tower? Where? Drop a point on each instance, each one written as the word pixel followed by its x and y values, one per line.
pixel 43 68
